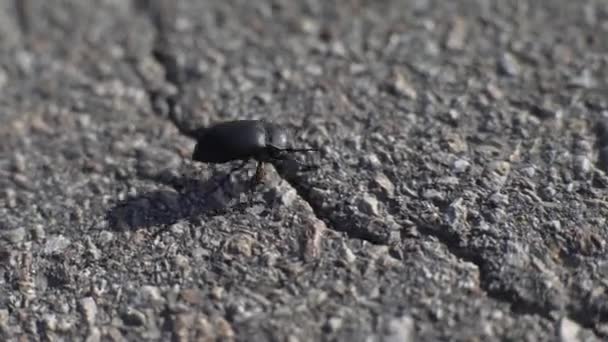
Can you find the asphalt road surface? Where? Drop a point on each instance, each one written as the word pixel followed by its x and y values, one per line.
pixel 459 192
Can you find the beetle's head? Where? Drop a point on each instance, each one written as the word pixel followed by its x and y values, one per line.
pixel 276 141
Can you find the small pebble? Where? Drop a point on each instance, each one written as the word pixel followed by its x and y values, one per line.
pixel 3 78
pixel 181 262
pixel 133 317
pixel 94 335
pixel 548 193
pixel 400 330
pixel 240 245
pixel 179 228
pixel 554 225
pixel 224 329
pixel 89 309
pixel 448 180
pixel 191 296
pixel 14 235
pixel 152 293
pixel 270 259
pixel 334 324
pixel 529 171
pixel 50 322
pixel 23 182
pixel 38 232
pixel 433 195
pixel 19 164
pixel 509 65
pixel 456 212
pixel 569 330
pixel 288 197
pixel 65 324
pixel 582 165
pixel 368 204
pixel 114 334
pixel 584 80
pixel 453 115
pixel 461 165
pixel 494 91
pixel 373 161
pixel 217 292
pixel 501 167
pixel 292 338
pixel 584 147
pixel 385 184
pixel 25 61
pixel 203 328
pixel 56 244
pixel 457 35
pixel 347 254
pixel 105 237
pixel 399 85
pixel 499 199
pixel 11 198
pixel 93 250
pixel 182 325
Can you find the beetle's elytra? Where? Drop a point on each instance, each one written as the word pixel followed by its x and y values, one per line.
pixel 243 140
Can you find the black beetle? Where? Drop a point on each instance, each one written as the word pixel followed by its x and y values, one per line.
pixel 243 140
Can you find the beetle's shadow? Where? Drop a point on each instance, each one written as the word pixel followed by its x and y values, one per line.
pixel 191 199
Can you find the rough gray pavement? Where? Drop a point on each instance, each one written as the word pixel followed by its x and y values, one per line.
pixel 460 195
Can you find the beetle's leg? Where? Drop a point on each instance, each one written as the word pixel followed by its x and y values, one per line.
pixel 260 174
pixel 278 156
pixel 281 153
pixel 309 167
pixel 292 150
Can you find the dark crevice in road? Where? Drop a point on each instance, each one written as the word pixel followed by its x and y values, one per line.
pixel 601 145
pixel 352 230
pixel 487 283
pixel 162 15
pixel 23 9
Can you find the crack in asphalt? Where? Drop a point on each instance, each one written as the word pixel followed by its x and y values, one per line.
pixel 325 216
pixel 22 7
pixel 161 19
pixel 517 304
pixel 452 242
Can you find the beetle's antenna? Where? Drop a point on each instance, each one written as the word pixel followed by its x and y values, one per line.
pixel 309 167
pixel 291 150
